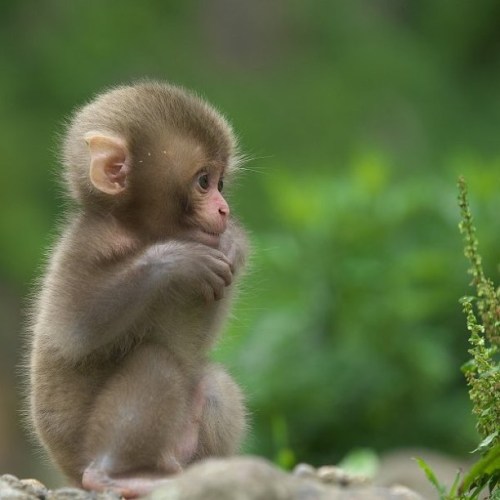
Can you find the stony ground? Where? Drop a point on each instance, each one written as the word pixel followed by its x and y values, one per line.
pixel 239 478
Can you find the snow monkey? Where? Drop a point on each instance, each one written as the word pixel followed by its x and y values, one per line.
pixel 136 290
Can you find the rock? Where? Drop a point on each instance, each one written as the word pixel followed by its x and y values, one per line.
pixel 304 470
pixel 335 475
pixel 36 488
pixel 12 488
pixel 251 478
pixel 78 494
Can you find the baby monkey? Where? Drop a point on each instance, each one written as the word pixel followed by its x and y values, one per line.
pixel 135 293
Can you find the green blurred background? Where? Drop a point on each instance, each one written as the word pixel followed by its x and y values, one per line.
pixel 358 117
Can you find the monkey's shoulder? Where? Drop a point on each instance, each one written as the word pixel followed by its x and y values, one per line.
pixel 95 241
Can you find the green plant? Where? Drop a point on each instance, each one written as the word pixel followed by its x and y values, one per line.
pixel 482 371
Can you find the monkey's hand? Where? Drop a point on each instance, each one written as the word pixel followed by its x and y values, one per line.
pixel 234 245
pixel 191 269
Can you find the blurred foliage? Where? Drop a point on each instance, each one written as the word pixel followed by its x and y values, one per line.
pixel 358 117
pixel 364 334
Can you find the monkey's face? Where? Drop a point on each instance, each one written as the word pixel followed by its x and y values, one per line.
pixel 208 210
pixel 171 191
pixel 180 188
pixel 192 183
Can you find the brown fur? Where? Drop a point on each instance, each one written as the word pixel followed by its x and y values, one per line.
pixel 122 392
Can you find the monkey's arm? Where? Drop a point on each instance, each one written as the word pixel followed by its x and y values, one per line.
pixel 109 302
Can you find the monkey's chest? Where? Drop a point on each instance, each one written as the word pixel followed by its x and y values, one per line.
pixel 183 327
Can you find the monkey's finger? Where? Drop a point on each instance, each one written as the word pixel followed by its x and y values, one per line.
pixel 207 293
pixel 223 257
pixel 217 283
pixel 211 292
pixel 219 290
pixel 223 270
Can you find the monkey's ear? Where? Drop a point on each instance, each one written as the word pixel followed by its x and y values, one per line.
pixel 108 162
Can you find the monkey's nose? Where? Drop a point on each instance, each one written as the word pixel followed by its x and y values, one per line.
pixel 224 209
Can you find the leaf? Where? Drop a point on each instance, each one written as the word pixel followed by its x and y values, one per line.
pixel 495 495
pixel 489 464
pixel 431 477
pixel 493 486
pixel 454 486
pixel 361 462
pixel 486 442
pixel 469 366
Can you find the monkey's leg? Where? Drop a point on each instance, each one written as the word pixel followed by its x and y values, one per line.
pixel 222 425
pixel 133 432
pixel 61 400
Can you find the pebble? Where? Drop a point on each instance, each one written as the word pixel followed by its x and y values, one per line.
pixel 305 470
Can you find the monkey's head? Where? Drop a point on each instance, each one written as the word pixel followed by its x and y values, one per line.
pixel 155 156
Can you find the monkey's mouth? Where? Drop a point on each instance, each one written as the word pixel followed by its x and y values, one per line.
pixel 210 238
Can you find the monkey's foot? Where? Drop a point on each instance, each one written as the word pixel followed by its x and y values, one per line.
pixel 128 487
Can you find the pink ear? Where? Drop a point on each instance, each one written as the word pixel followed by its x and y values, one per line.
pixel 108 162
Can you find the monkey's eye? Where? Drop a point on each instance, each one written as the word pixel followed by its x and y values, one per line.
pixel 203 181
pixel 220 185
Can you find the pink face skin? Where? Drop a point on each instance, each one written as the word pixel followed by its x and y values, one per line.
pixel 212 209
